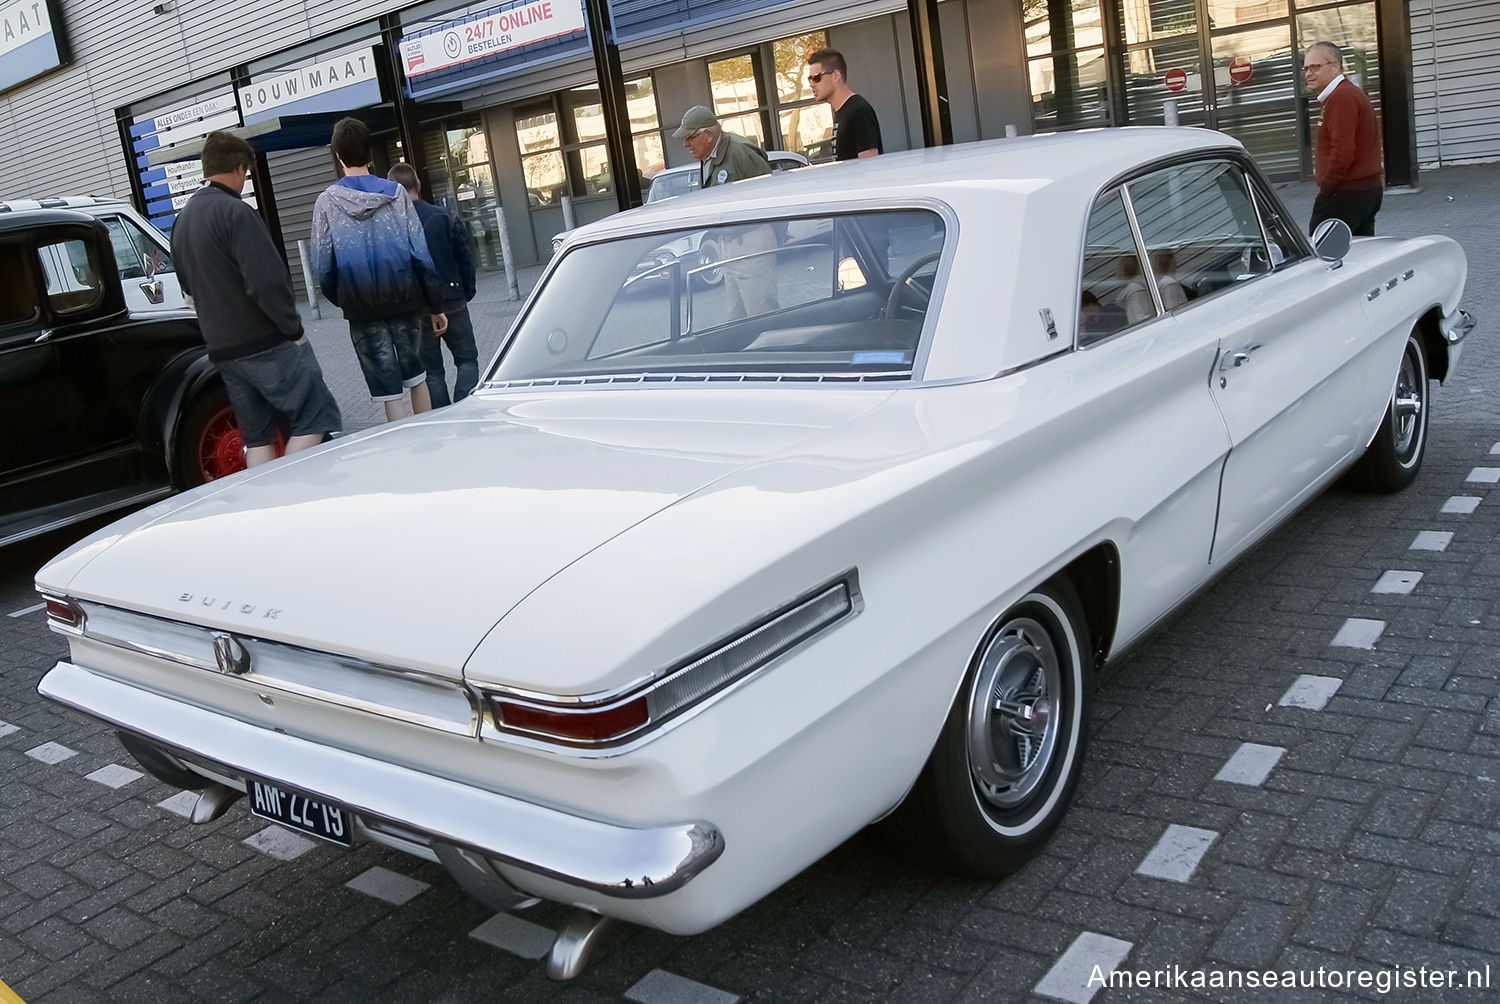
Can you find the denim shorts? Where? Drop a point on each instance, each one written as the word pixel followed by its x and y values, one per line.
pixel 390 354
pixel 285 380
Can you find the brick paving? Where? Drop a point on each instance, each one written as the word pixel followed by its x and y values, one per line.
pixel 1367 843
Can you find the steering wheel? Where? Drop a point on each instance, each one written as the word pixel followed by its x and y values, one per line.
pixel 893 302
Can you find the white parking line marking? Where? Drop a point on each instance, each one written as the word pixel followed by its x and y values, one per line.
pixel 1311 692
pixel 382 883
pixel 1176 855
pixel 1396 582
pixel 1358 633
pixel 1074 977
pixel 1484 476
pixel 181 803
pixel 1461 505
pixel 1495 449
pixel 281 844
pixel 1432 540
pixel 50 753
pixel 27 610
pixel 661 987
pixel 6 728
pixel 115 776
pixel 514 935
pixel 1251 764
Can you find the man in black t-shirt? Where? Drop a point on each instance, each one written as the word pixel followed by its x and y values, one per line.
pixel 856 130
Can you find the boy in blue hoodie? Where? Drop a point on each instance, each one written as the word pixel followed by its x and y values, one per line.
pixel 372 261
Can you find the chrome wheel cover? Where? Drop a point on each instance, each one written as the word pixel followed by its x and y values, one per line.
pixel 1015 714
pixel 1407 402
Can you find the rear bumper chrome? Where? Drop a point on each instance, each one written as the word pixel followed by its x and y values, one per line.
pixel 614 860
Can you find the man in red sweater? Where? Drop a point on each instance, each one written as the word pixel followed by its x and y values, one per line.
pixel 1347 158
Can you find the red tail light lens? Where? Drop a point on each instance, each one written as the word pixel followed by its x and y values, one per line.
pixel 63 614
pixel 582 724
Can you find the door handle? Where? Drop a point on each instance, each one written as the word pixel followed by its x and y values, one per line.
pixel 1236 357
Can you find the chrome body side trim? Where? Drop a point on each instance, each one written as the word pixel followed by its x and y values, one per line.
pixel 614 860
pixel 390 691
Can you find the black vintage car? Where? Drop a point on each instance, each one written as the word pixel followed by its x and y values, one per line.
pixel 99 408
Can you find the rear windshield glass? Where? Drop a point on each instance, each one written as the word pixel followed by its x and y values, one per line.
pixel 843 295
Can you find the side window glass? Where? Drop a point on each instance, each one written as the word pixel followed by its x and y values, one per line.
pixel 1114 294
pixel 154 258
pixel 17 292
pixel 127 256
pixel 73 282
pixel 1201 230
pixel 1283 237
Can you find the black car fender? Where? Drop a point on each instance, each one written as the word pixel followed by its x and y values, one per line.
pixel 181 382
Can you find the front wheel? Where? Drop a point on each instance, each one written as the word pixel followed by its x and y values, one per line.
pixel 208 441
pixel 708 255
pixel 1395 454
pixel 1010 753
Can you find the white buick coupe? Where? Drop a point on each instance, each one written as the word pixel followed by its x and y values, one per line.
pixel 705 578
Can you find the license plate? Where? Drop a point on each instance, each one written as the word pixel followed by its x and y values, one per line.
pixel 300 812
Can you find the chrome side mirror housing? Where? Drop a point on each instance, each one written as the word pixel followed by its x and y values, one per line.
pixel 1331 240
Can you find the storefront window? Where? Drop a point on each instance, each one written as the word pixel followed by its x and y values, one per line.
pixel 737 97
pixel 1065 62
pixel 805 123
pixel 568 154
pixel 541 154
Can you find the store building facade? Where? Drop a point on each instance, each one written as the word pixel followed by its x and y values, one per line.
pixel 499 106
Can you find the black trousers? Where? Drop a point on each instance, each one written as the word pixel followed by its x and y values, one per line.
pixel 1357 209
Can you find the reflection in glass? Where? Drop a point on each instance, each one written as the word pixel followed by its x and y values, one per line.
pixel 1148 20
pixel 1255 80
pixel 649 157
pixel 1237 13
pixel 588 114
pixel 808 130
pixel 1069 91
pixel 747 125
pixel 789 56
pixel 536 129
pixel 546 182
pixel 732 82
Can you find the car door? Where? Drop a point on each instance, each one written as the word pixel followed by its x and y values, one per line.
pixel 1291 331
pixel 147 274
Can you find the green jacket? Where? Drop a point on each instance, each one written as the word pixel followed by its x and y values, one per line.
pixel 734 159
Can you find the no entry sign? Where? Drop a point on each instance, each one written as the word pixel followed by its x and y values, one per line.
pixel 1240 70
pixel 1176 79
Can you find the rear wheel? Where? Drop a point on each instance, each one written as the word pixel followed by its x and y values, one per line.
pixel 1395 454
pixel 1010 753
pixel 208 442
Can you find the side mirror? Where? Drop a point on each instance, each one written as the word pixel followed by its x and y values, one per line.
pixel 1331 240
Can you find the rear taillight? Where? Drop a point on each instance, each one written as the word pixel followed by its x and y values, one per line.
pixel 609 720
pixel 578 723
pixel 63 614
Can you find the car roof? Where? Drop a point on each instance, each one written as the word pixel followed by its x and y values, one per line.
pixel 25 219
pixel 1087 159
pixel 84 202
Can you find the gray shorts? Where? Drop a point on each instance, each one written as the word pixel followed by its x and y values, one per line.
pixel 285 380
pixel 390 354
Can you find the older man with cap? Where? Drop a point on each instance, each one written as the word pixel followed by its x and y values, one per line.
pixel 724 157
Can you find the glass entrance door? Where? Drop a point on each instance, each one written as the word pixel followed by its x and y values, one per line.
pixel 462 178
pixel 1225 64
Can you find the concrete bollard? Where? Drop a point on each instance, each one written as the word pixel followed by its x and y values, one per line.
pixel 567 207
pixel 307 277
pixel 1010 131
pixel 510 267
pixel 1169 111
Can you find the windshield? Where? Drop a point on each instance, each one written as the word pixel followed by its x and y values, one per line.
pixel 670 183
pixel 843 296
